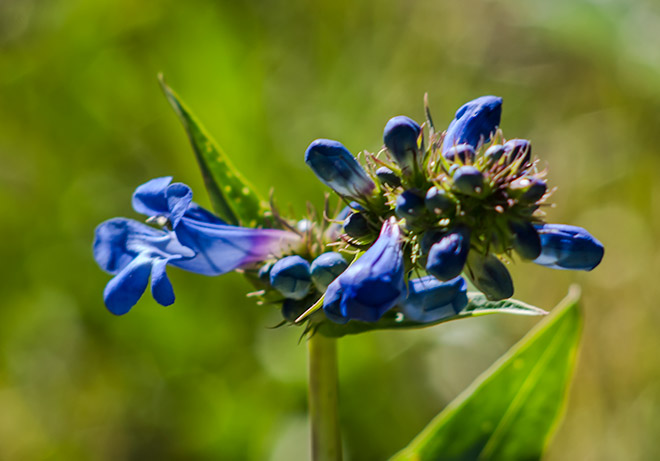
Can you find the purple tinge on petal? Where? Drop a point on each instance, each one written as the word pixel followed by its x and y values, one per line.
pixel 149 198
pixel 126 288
pixel 221 248
pixel 371 285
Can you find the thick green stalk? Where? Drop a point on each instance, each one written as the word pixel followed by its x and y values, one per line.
pixel 323 399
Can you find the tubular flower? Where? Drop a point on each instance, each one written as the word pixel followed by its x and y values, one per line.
pixel 474 123
pixel 400 137
pixel 373 284
pixel 199 242
pixel 568 247
pixel 336 167
pixel 430 300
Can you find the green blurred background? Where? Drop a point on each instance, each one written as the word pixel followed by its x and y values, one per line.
pixel 83 122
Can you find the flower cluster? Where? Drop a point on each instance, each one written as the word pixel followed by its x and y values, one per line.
pixel 428 209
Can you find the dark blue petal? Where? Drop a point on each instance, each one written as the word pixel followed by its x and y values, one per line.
pixel 149 199
pixel 430 300
pixel 198 213
pixel 525 239
pixel 447 257
pixel 221 248
pixel 438 202
pixel 400 137
pixel 568 247
pixel 518 148
pixel 468 180
pixel 389 177
pixel 374 283
pixel 336 167
pixel 475 122
pixel 126 288
pixel 161 287
pixel 463 153
pixel 332 304
pixel 291 277
pixel 410 206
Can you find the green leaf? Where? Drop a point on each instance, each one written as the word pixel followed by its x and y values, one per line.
pixel 232 197
pixel 477 305
pixel 512 410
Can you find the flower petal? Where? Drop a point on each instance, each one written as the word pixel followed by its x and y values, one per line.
pixel 149 199
pixel 474 123
pixel 430 300
pixel 126 288
pixel 179 198
pixel 161 287
pixel 222 248
pixel 568 247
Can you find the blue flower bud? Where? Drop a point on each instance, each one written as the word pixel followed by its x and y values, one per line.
pixel 447 257
pixel 387 176
pixel 438 202
pixel 400 136
pixel 335 229
pixel 326 268
pixel 430 238
pixel 490 276
pixel 373 284
pixel 410 206
pixel 568 247
pixel 525 240
pixel 518 148
pixel 356 226
pixel 290 276
pixel 465 153
pixel 474 123
pixel 494 153
pixel 430 300
pixel 336 167
pixel 469 181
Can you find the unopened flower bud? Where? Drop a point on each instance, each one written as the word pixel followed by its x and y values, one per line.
pixel 430 300
pixel 326 268
pixel 400 137
pixel 469 181
pixel 438 202
pixel 464 153
pixel 388 177
pixel 490 276
pixel 518 148
pixel 447 257
pixel 494 153
pixel 264 273
pixel 410 206
pixel 568 247
pixel 290 276
pixel 336 167
pixel 356 225
pixel 525 240
pixel 474 123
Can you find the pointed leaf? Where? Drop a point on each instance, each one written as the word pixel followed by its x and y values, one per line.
pixel 512 410
pixel 232 197
pixel 477 305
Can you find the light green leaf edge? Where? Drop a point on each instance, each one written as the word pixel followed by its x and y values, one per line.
pixel 465 430
pixel 477 305
pixel 232 197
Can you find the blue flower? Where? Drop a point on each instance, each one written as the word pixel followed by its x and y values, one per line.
pixel 199 242
pixel 447 257
pixel 326 268
pixel 400 137
pixel 430 300
pixel 474 123
pixel 568 247
pixel 336 167
pixel 291 277
pixel 371 285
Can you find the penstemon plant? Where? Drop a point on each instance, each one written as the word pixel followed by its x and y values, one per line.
pixel 413 226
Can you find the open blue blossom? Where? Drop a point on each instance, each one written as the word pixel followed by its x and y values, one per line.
pixel 568 247
pixel 373 284
pixel 430 300
pixel 474 123
pixel 336 167
pixel 199 242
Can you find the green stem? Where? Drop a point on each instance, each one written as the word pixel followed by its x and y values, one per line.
pixel 323 399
